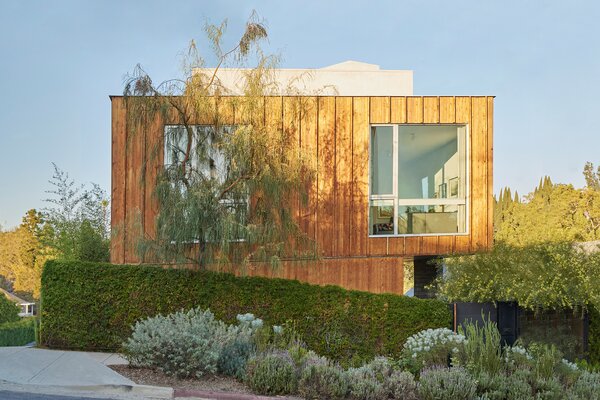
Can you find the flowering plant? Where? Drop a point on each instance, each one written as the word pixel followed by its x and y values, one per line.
pixel 432 347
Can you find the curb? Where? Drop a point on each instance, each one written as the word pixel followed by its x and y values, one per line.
pixel 154 392
pixel 208 395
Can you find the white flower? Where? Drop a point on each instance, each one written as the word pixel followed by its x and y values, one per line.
pixel 277 329
pixel 257 323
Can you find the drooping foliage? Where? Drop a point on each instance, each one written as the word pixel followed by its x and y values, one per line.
pixel 233 177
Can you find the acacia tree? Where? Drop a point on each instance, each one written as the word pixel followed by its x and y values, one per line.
pixel 228 191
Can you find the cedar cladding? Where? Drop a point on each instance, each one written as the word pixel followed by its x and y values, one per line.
pixel 336 131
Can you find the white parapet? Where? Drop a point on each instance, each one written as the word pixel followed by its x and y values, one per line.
pixel 349 78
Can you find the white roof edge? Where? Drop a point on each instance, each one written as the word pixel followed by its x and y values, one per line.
pixel 348 78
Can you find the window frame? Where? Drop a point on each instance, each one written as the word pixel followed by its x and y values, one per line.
pixel 407 202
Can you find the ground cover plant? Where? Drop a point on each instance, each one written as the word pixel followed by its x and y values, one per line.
pixel 434 364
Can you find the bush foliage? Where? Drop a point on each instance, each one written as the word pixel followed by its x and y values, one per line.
pixel 9 311
pixel 17 333
pixel 183 344
pixel 93 306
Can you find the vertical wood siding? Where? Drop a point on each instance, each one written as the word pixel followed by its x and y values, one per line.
pixel 335 131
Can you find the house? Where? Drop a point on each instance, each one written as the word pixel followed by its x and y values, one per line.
pixel 28 309
pixel 401 178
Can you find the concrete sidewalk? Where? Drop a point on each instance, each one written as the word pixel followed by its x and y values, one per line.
pixel 71 370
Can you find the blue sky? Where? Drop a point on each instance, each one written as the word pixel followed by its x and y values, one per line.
pixel 62 59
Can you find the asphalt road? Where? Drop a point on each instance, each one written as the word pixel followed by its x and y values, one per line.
pixel 6 395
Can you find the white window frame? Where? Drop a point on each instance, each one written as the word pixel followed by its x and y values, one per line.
pixel 418 202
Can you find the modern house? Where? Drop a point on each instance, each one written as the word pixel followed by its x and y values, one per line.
pixel 399 177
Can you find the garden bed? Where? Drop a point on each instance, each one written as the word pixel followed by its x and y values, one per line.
pixel 209 383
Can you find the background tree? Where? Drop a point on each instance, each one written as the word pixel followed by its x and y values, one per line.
pixel 23 254
pixel 592 179
pixel 229 190
pixel 536 260
pixel 9 312
pixel 551 213
pixel 78 220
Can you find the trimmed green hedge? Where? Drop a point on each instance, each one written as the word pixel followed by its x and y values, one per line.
pixel 92 306
pixel 17 333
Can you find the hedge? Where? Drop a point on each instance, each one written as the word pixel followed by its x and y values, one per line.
pixel 17 333
pixel 92 306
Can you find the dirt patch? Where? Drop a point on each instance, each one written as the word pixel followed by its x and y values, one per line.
pixel 213 383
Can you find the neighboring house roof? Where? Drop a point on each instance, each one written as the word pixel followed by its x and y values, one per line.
pixel 13 298
pixel 348 78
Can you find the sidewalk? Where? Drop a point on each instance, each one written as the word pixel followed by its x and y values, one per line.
pixel 71 371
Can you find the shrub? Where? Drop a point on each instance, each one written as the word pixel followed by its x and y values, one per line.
pixel 9 311
pixel 549 389
pixel 492 386
pixel 482 350
pixel 272 373
pixel 323 381
pixel 235 354
pixel 432 347
pixel 587 386
pixel 517 358
pixel 546 359
pixel 518 386
pixel 446 384
pixel 182 344
pixel 401 385
pixel 365 385
pixel 17 333
pixel 345 326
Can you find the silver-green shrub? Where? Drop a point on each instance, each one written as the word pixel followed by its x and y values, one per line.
pixel 518 385
pixel 401 385
pixel 272 373
pixel 549 389
pixel 234 356
pixel 182 344
pixel 323 381
pixel 446 384
pixel 368 381
pixel 242 345
pixel 587 386
pixel 492 386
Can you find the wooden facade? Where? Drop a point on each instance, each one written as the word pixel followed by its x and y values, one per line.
pixel 335 130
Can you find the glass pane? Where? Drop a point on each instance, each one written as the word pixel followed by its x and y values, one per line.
pixel 431 219
pixel 176 140
pixel 382 217
pixel 382 150
pixel 431 162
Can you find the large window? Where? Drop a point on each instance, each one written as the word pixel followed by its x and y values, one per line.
pixel 418 182
pixel 199 149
